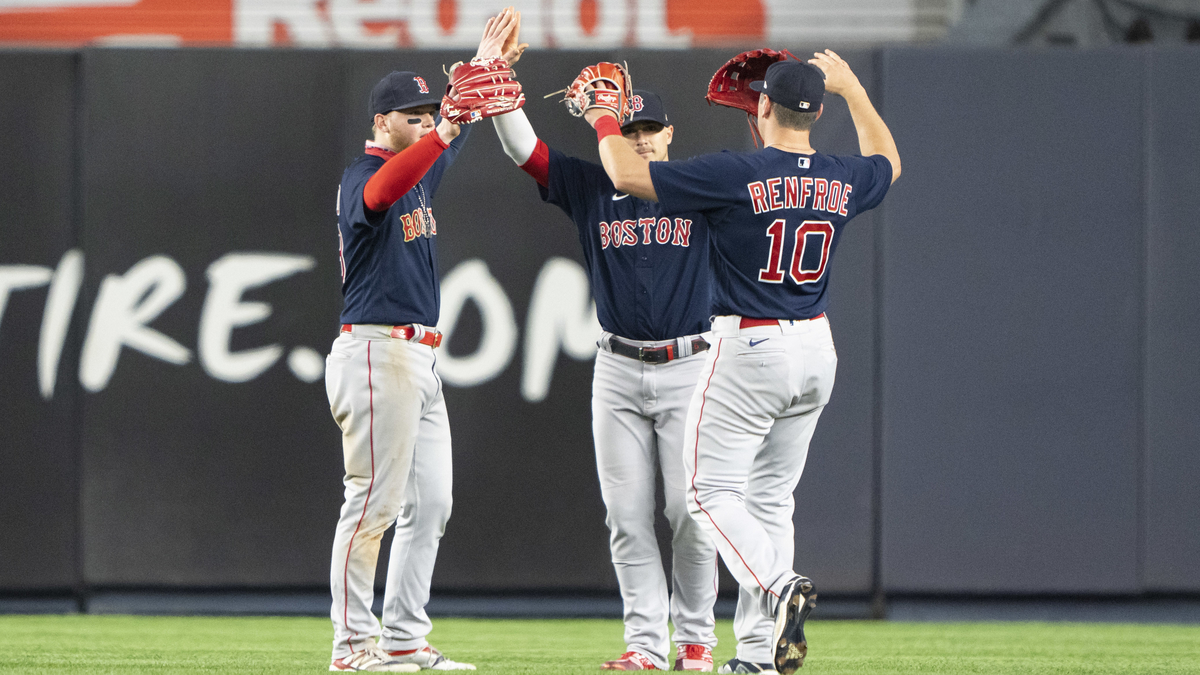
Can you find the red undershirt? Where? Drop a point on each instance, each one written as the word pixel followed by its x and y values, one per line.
pixel 538 164
pixel 402 170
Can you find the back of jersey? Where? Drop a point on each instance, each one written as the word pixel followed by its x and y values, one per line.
pixel 775 218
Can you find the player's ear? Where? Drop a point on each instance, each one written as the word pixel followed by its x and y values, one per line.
pixel 819 111
pixel 670 129
pixel 380 122
pixel 764 106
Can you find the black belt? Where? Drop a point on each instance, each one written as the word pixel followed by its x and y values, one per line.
pixel 656 355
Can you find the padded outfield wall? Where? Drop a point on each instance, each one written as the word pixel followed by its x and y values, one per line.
pixel 1014 411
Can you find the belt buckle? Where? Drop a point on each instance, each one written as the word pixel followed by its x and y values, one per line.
pixel 642 354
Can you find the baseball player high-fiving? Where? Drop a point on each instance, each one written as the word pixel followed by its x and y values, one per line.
pixel 775 217
pixel 649 275
pixel 383 388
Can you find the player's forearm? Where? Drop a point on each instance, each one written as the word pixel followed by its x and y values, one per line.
pixel 522 145
pixel 626 169
pixel 874 138
pixel 402 172
pixel 516 135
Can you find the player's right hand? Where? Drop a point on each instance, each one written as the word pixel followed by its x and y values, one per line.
pixel 839 79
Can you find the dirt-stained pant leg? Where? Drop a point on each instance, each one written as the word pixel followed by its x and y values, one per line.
pixel 419 530
pixel 379 388
pixel 749 426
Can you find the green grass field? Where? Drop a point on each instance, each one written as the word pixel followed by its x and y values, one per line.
pixel 125 644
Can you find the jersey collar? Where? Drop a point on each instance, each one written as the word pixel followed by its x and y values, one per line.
pixel 378 150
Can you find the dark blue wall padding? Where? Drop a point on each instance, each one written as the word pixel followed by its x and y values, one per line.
pixel 1012 322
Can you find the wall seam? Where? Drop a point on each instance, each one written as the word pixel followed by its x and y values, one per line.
pixel 79 104
pixel 1143 444
pixel 879 598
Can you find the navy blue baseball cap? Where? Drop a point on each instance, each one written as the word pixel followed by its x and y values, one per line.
pixel 646 106
pixel 401 90
pixel 792 84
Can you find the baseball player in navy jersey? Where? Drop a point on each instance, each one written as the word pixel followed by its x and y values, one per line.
pixel 383 388
pixel 775 217
pixel 649 274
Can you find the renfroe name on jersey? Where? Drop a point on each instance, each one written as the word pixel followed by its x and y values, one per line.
pixel 653 231
pixel 800 192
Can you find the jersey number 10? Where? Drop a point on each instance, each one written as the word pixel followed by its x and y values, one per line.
pixel 810 252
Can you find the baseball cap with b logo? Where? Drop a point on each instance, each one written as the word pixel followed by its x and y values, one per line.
pixel 646 106
pixel 793 84
pixel 400 90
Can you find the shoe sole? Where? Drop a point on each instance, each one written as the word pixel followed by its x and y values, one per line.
pixel 790 645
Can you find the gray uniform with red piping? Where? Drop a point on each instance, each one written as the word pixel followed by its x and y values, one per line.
pixel 384 391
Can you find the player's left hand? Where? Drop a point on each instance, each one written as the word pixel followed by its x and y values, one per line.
pixel 839 79
pixel 604 86
pixel 513 48
pixel 496 33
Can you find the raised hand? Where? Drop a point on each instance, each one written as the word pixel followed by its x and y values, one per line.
pixel 839 79
pixel 513 47
pixel 496 33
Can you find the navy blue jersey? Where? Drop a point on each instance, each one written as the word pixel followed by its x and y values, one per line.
pixel 648 265
pixel 389 258
pixel 775 218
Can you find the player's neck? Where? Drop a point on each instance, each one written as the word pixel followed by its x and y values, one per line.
pixel 788 140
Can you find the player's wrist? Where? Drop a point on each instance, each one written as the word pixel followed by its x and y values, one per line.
pixel 607 126
pixel 445 132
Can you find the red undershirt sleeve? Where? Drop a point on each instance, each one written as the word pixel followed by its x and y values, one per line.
pixel 538 164
pixel 402 172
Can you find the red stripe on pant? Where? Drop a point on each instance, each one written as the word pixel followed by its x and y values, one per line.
pixel 370 487
pixel 696 467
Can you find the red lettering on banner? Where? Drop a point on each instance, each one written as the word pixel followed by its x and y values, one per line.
pixel 835 195
pixel 663 234
pixel 603 235
pixel 820 189
pixel 791 192
pixel 629 232
pixel 806 185
pixel 647 225
pixel 845 198
pixel 773 193
pixel 758 196
pixel 683 232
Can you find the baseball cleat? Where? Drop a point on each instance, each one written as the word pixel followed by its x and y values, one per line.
pixel 797 600
pixel 428 658
pixel 694 657
pixel 373 659
pixel 630 661
pixel 738 666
